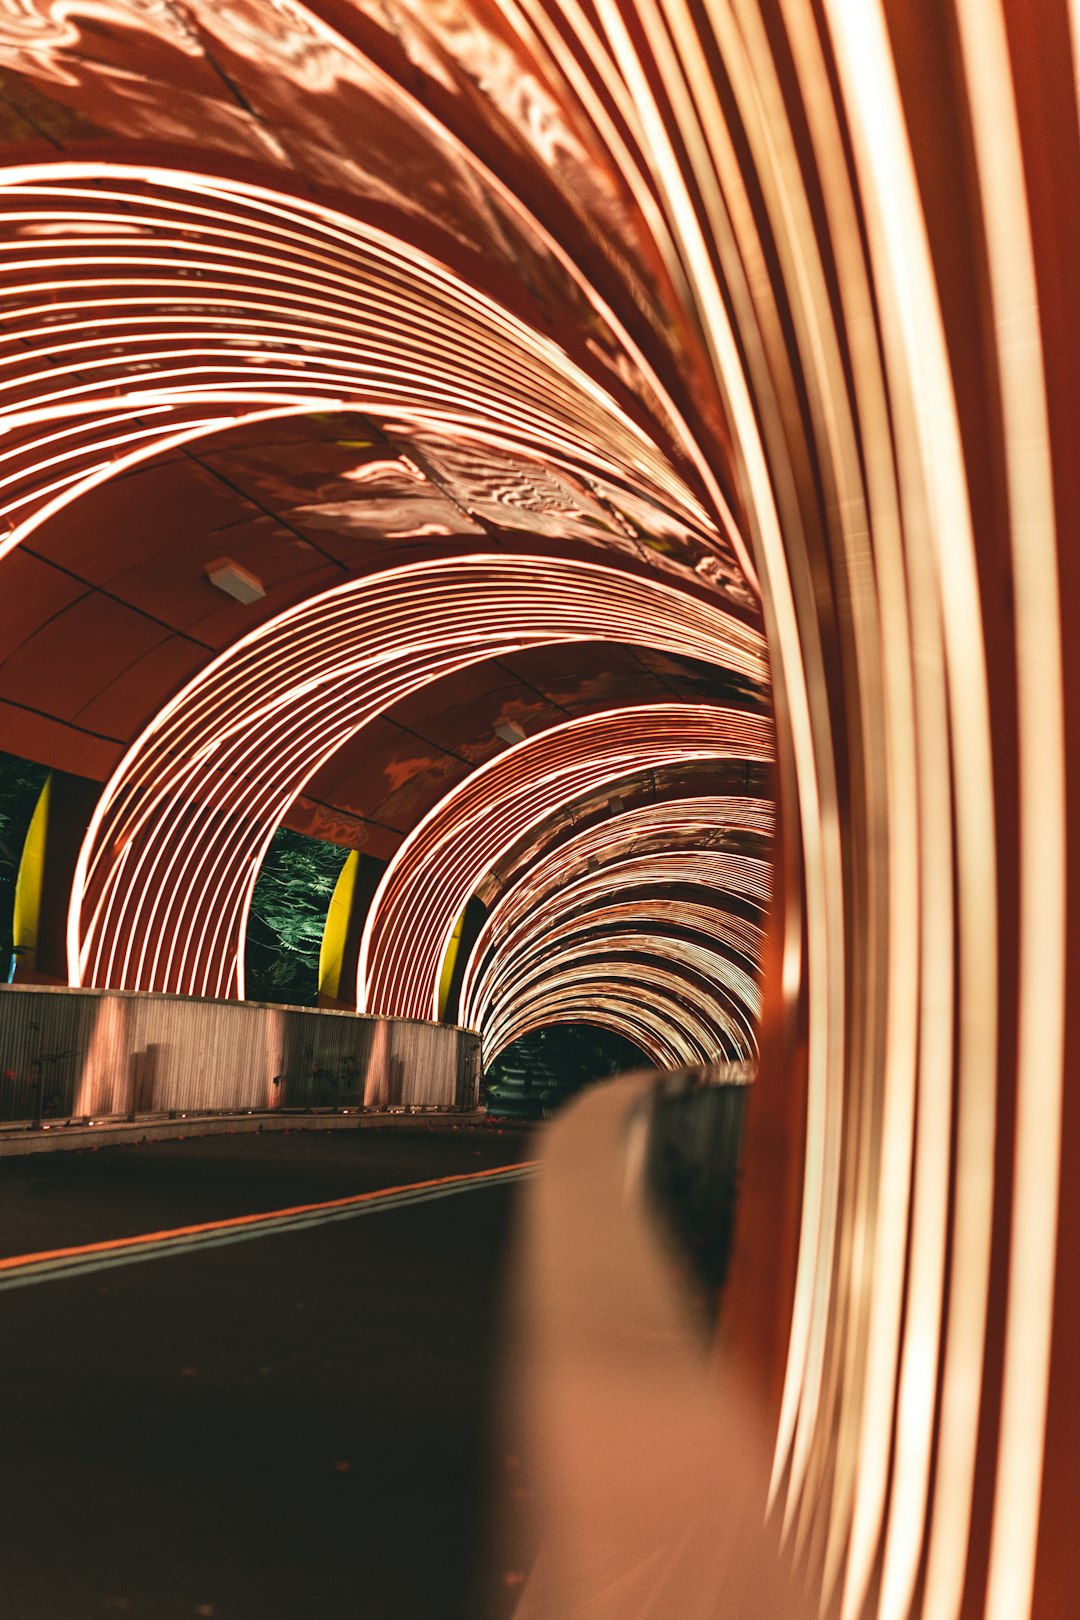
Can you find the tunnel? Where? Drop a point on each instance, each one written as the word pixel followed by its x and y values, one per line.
pixel 604 474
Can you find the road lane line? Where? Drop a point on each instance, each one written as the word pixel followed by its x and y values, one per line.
pixel 18 1271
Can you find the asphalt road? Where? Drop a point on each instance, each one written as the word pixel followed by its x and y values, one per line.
pixel 298 1427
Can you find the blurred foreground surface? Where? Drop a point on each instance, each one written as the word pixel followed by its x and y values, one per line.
pixel 649 1449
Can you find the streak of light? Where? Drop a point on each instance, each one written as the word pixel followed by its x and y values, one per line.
pixel 432 875
pixel 166 870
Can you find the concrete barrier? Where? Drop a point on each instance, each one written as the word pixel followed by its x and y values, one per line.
pixel 68 1053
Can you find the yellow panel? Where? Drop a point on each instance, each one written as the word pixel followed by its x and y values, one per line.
pixel 449 962
pixel 332 949
pixel 28 884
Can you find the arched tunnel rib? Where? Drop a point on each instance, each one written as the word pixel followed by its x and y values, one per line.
pixel 307 684
pixel 432 875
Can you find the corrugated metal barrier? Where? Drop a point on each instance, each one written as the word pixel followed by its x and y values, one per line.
pixel 97 1053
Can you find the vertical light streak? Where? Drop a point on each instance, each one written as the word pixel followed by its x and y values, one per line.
pixel 755 86
pixel 812 772
pixel 1041 1036
pixel 749 81
pixel 917 357
pixel 916 1395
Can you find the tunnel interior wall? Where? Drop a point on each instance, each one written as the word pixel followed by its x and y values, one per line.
pixel 70 1053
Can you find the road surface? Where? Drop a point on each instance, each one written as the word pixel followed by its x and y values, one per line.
pixel 282 1419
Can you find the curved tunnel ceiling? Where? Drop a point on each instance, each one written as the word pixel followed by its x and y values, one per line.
pixel 772 295
pixel 444 859
pixel 428 742
pixel 713 1028
pixel 166 873
pixel 149 309
pixel 722 819
pixel 671 967
pixel 667 848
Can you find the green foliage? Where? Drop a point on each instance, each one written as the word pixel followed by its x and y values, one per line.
pixel 288 913
pixel 21 782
